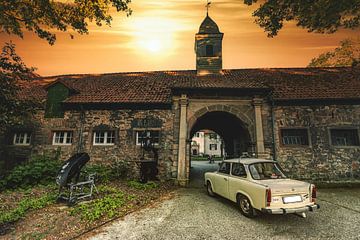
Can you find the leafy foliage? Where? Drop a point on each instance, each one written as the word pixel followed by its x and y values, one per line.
pixel 142 186
pixel 41 169
pixel 348 54
pixel 13 73
pixel 26 205
pixel 316 15
pixel 117 170
pixel 43 16
pixel 106 206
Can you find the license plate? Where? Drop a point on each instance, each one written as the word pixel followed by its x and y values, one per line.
pixel 292 199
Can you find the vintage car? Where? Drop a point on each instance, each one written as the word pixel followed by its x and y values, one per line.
pixel 260 185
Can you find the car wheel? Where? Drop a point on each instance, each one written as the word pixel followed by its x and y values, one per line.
pixel 209 189
pixel 245 206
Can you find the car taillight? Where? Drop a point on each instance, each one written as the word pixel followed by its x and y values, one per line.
pixel 313 194
pixel 268 197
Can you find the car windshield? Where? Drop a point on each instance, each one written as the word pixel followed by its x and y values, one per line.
pixel 265 170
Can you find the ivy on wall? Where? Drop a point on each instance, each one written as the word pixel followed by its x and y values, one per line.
pixel 56 94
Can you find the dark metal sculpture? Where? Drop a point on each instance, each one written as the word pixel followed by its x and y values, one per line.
pixel 70 189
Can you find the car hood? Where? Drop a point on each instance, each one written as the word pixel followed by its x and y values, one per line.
pixel 281 186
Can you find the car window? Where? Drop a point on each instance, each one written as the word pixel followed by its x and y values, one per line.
pixel 225 168
pixel 261 171
pixel 238 169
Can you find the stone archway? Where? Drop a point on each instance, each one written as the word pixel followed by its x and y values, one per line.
pixel 233 131
pixel 244 118
pixel 247 114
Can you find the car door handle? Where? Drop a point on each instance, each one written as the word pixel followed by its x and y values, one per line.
pixel 225 179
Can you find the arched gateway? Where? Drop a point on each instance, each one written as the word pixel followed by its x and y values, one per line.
pixel 238 122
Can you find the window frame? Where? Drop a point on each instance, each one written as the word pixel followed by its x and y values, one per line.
pixel 213 144
pixel 307 137
pixel 27 135
pixel 105 143
pixel 137 143
pixel 344 128
pixel 227 173
pixel 242 176
pixel 64 143
pixel 209 47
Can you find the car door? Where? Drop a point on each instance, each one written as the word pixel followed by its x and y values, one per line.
pixel 221 184
pixel 237 180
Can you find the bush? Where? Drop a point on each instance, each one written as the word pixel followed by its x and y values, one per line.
pixel 117 170
pixel 120 170
pixel 40 169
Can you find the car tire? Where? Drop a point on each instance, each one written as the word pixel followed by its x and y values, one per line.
pixel 245 206
pixel 210 190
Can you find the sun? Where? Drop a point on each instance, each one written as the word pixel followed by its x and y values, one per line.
pixel 153 45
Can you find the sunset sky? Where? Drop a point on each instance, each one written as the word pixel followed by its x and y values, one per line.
pixel 159 35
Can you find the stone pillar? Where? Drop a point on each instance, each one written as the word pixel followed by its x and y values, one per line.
pixel 260 149
pixel 182 175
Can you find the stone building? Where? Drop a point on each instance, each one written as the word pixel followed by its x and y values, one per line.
pixel 308 119
pixel 206 143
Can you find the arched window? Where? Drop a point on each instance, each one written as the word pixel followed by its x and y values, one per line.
pixel 209 50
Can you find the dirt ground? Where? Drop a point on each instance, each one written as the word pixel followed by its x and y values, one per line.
pixel 55 221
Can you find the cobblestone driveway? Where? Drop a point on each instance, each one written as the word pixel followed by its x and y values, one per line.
pixel 194 215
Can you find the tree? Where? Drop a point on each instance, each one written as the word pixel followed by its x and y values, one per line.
pixel 348 54
pixel 44 16
pixel 322 16
pixel 13 72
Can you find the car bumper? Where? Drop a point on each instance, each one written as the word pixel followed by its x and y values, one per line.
pixel 308 208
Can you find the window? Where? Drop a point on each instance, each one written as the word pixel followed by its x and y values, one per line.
pixel 294 137
pixel 238 169
pixel 265 170
pixel 62 138
pixel 22 138
pixel 213 136
pixel 197 134
pixel 148 135
pixel 104 137
pixel 213 146
pixel 225 168
pixel 344 137
pixel 209 51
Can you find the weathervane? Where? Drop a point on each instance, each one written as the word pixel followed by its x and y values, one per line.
pixel 207 7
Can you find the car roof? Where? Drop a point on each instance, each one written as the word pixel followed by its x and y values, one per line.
pixel 248 160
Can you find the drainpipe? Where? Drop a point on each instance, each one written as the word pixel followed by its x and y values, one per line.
pixel 82 120
pixel 273 125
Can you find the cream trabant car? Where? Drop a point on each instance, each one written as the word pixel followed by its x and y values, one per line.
pixel 258 184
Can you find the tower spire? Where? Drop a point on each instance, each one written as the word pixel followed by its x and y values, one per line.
pixel 207 7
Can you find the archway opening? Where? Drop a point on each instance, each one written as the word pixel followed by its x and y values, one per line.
pixel 217 135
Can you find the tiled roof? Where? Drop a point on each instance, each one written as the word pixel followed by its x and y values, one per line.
pixel 155 87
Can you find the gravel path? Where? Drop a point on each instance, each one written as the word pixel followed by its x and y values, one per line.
pixel 194 215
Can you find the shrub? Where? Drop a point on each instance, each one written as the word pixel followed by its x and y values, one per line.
pixel 142 186
pixel 103 172
pixel 120 169
pixel 117 170
pixel 40 169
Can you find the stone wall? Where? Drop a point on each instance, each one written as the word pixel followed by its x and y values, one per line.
pixel 321 160
pixel 120 121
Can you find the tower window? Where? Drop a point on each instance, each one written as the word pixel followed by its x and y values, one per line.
pixel 209 50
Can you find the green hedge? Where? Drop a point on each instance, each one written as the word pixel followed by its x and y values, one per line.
pixel 40 169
